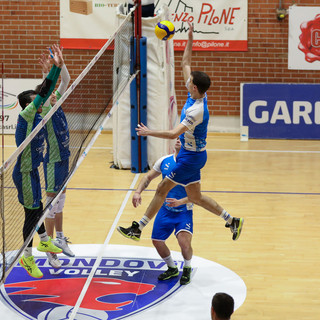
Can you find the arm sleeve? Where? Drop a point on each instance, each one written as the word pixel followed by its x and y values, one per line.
pixel 47 103
pixel 48 84
pixel 65 79
pixel 53 76
pixel 37 101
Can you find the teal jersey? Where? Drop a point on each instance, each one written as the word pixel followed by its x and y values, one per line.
pixel 58 135
pixel 32 155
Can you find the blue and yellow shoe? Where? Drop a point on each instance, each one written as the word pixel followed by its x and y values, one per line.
pixel 235 227
pixel 170 273
pixel 186 276
pixel 132 232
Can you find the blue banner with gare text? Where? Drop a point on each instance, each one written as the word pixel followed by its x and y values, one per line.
pixel 281 111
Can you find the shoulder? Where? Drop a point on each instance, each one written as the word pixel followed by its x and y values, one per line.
pixel 162 160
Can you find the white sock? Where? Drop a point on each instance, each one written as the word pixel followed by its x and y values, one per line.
pixel 226 216
pixel 143 222
pixel 187 263
pixel 44 237
pixel 60 234
pixel 27 252
pixel 169 261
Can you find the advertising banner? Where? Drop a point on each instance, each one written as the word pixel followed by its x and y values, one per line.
pixel 219 25
pixel 280 111
pixel 304 38
pixel 10 104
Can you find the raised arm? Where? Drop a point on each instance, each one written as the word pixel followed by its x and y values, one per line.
pixel 50 81
pixel 187 55
pixel 143 130
pixel 65 79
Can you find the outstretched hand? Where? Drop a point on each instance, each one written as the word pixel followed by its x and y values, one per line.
pixel 44 62
pixel 142 130
pixel 57 56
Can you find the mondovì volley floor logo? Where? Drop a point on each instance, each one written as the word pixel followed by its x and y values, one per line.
pixel 121 286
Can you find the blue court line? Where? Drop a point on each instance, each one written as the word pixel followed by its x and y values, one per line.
pixel 204 191
pixel 207 191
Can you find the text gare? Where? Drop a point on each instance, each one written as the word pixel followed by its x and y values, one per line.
pixel 302 112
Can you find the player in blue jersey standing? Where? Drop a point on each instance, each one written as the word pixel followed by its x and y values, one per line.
pixel 25 174
pixel 56 162
pixel 174 215
pixel 192 157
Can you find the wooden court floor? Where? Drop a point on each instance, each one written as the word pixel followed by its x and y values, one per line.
pixel 273 184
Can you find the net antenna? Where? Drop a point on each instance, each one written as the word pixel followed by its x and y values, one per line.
pixel 88 104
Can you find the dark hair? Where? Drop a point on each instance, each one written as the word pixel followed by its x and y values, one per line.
pixel 25 97
pixel 201 80
pixel 223 305
pixel 38 88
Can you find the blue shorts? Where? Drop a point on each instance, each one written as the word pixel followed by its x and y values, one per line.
pixel 167 221
pixel 188 166
pixel 28 186
pixel 55 174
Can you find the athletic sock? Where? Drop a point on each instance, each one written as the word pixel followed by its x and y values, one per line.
pixel 169 261
pixel 60 234
pixel 44 237
pixel 143 222
pixel 27 252
pixel 226 216
pixel 187 263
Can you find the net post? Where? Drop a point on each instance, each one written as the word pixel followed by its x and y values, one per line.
pixel 136 164
pixel 134 110
pixel 143 102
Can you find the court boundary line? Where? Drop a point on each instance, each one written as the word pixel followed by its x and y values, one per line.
pixel 103 246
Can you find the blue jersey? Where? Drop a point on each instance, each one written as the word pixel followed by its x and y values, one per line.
pixel 58 135
pixel 32 155
pixel 165 166
pixel 195 116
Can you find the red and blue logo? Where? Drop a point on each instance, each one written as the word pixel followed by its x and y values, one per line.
pixel 120 287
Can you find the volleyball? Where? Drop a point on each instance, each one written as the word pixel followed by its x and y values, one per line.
pixel 164 30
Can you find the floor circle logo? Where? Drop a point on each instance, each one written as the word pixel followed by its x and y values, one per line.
pixel 122 285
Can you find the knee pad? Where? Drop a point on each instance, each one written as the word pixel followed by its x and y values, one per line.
pixel 60 203
pixel 51 208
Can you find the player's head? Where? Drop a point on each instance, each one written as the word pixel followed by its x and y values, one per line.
pixel 201 80
pixel 177 145
pixel 53 99
pixel 222 306
pixel 26 97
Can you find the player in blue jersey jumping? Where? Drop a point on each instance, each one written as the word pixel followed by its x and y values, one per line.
pixel 25 174
pixel 56 162
pixel 174 215
pixel 192 157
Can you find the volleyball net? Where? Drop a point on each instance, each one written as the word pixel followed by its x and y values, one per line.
pixel 87 105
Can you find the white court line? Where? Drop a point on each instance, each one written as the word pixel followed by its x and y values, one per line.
pixel 99 257
pixel 270 151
